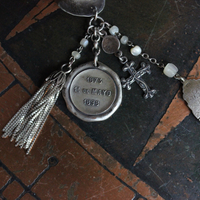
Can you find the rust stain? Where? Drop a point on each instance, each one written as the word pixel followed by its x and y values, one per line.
pixel 149 194
pixel 195 73
pixel 102 156
pixel 5 77
pixel 71 191
pixel 47 11
pixel 174 115
pixel 41 10
pixel 190 180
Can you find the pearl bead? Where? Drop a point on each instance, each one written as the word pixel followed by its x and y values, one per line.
pixel 136 51
pixel 84 42
pixel 114 30
pixel 170 70
pixel 124 39
pixel 76 54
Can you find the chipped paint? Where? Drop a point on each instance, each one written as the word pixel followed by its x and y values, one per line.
pixel 174 115
pixel 92 147
pixel 41 10
pixel 15 69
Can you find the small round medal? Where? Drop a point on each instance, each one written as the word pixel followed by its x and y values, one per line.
pixel 110 44
pixel 93 93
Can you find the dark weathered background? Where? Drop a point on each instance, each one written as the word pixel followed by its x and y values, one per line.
pixel 168 30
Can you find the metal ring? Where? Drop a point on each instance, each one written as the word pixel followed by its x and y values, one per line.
pixel 72 59
pixel 80 49
pixel 118 53
pixel 90 30
pixel 130 44
pixel 103 33
pixel 107 25
pixel 123 59
pixel 102 26
pixel 95 38
pixel 93 19
pixel 160 65
pixel 87 36
pixel 96 51
pixel 118 35
pixel 68 70
pixel 180 78
pixel 145 56
pixel 153 60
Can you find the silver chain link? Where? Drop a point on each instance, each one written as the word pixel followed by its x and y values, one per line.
pixel 67 67
pixel 96 31
pixel 143 55
pixel 96 49
pixel 130 44
pixel 152 60
pixel 123 59
pixel 146 56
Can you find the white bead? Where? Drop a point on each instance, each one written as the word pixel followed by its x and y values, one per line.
pixel 136 51
pixel 124 39
pixel 76 54
pixel 113 30
pixel 170 70
pixel 84 42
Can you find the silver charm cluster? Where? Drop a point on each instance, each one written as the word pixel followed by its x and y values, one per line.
pixel 111 45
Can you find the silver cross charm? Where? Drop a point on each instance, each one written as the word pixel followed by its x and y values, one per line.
pixel 136 77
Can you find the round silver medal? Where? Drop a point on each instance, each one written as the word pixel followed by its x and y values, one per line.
pixel 93 93
pixel 110 44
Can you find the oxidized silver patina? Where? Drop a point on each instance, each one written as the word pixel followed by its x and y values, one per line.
pixel 135 76
pixel 82 8
pixel 93 93
pixel 110 44
pixel 191 94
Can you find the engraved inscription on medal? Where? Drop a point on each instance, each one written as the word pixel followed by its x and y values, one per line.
pixel 94 80
pixel 91 102
pixel 92 91
pixel 93 94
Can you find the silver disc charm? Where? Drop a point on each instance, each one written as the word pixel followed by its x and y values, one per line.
pixel 191 94
pixel 82 8
pixel 110 44
pixel 93 93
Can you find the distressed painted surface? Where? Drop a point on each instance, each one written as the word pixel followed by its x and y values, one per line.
pixel 173 165
pixel 45 147
pixel 175 114
pixel 138 117
pixel 15 69
pixel 41 10
pixel 5 77
pixel 77 173
pixel 86 169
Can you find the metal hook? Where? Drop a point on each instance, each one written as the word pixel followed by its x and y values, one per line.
pixel 96 14
pixel 180 78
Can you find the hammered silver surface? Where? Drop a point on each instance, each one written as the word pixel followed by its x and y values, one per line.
pixel 82 8
pixel 93 93
pixel 191 94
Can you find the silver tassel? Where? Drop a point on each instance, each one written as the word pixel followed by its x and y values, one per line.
pixel 27 123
